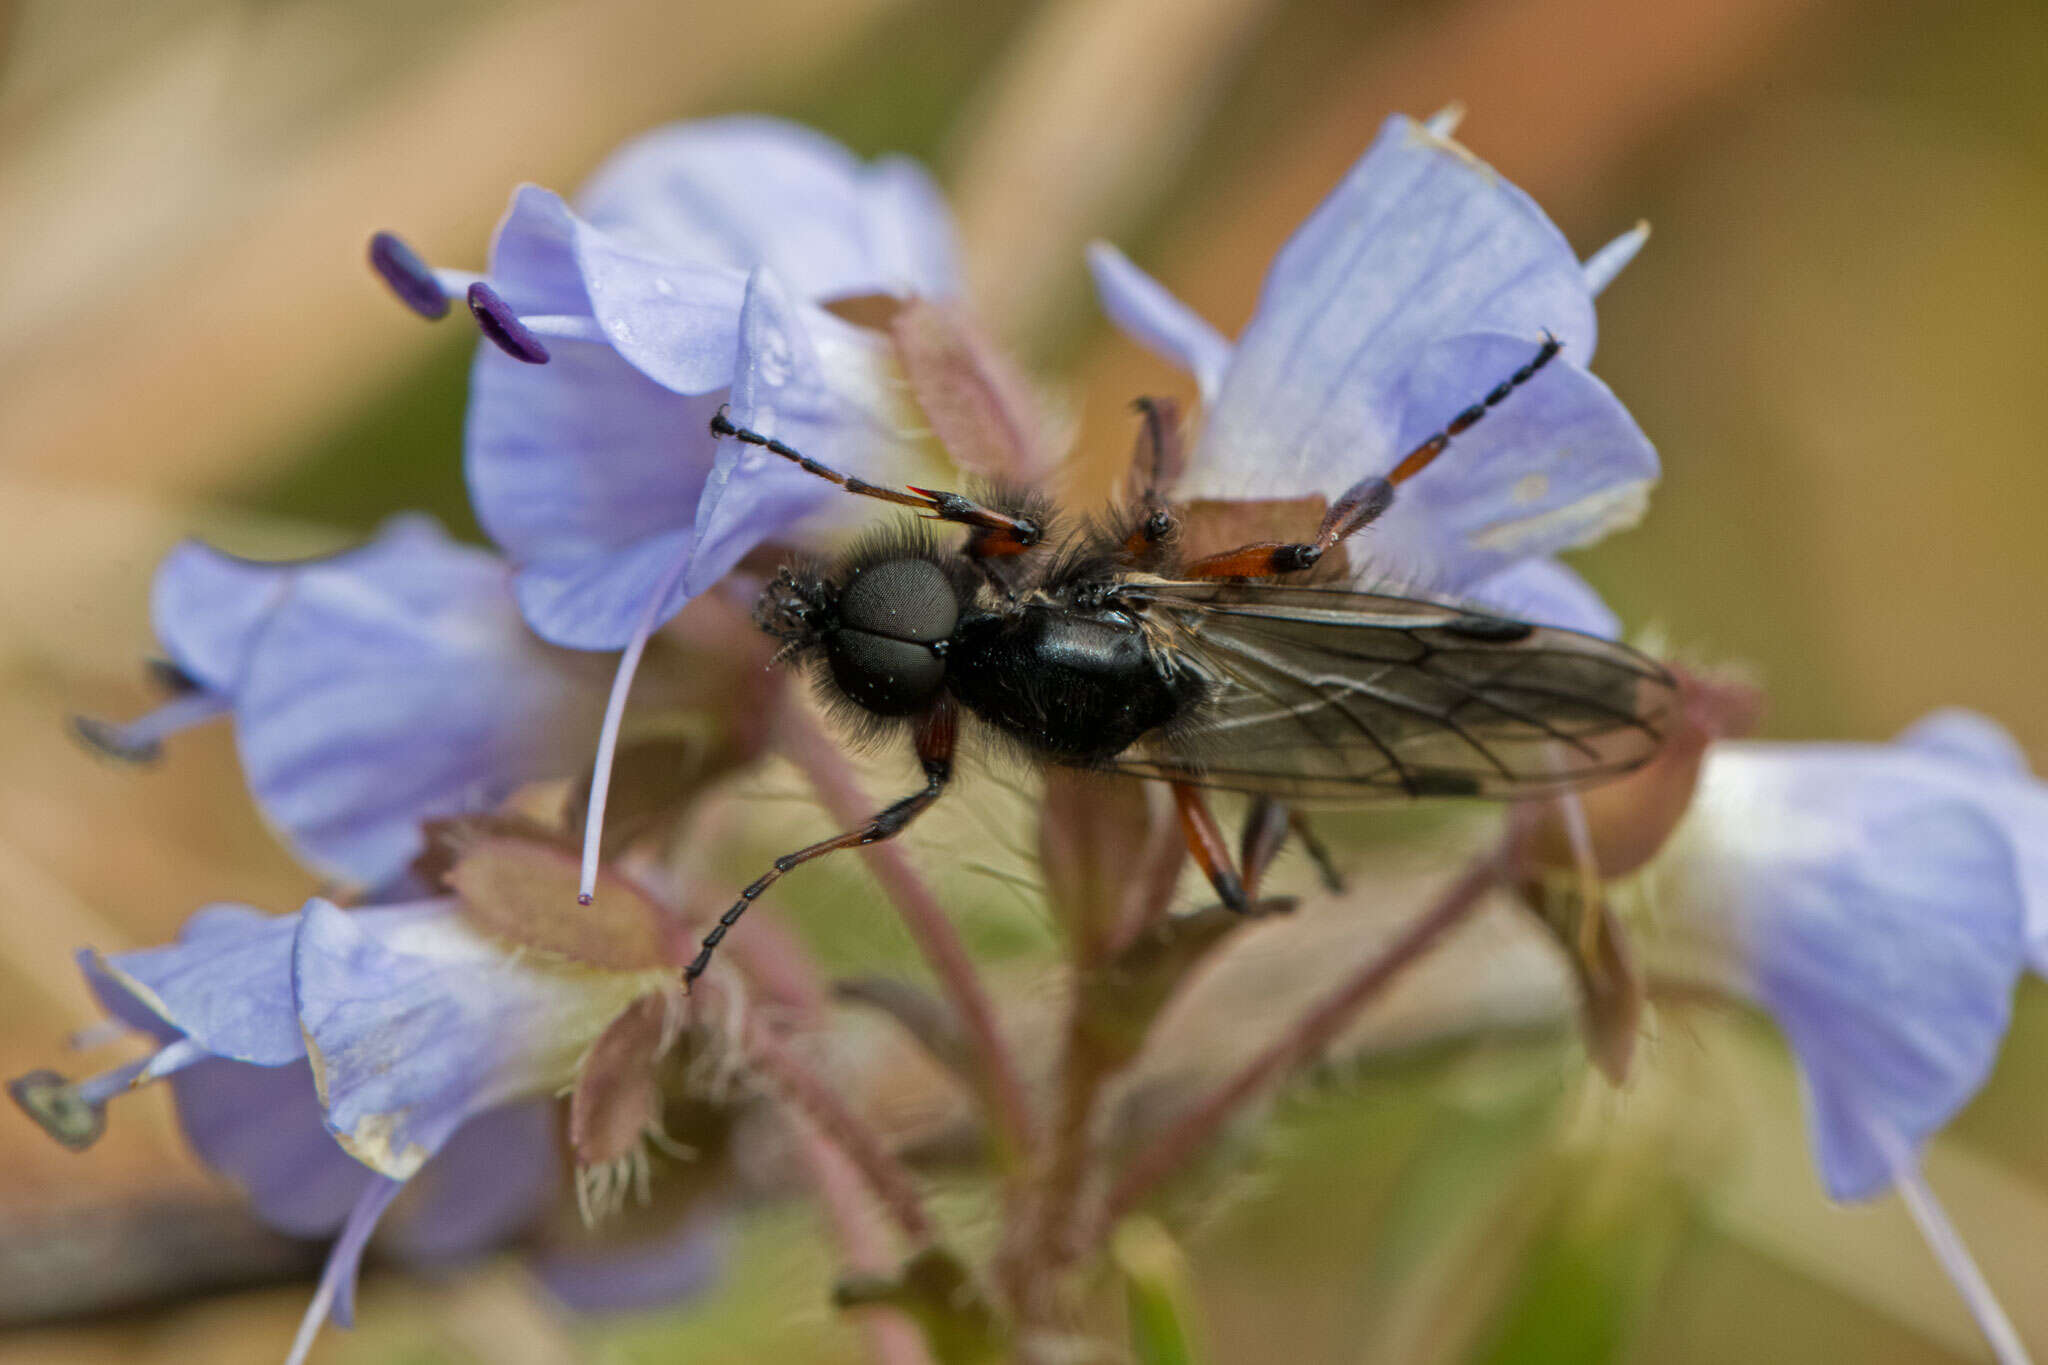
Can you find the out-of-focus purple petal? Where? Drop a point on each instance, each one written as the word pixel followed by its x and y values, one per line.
pixel 1880 925
pixel 744 192
pixel 226 984
pixel 497 1176
pixel 389 689
pixel 1152 316
pixel 1421 242
pixel 1969 738
pixel 261 1127
pixel 622 1277
pixel 1548 593
pixel 335 1299
pixel 206 606
pixel 911 247
pixel 1559 464
pixel 415 1024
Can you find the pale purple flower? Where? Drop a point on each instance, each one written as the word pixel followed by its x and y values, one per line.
pixel 1422 281
pixel 330 1060
pixel 369 691
pixel 690 274
pixel 1878 901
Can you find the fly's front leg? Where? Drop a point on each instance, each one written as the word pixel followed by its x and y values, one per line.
pixel 1367 500
pixel 937 735
pixel 1156 463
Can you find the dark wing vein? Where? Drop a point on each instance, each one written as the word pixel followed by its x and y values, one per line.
pixel 1319 693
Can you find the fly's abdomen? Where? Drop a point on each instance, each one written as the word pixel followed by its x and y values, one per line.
pixel 1077 688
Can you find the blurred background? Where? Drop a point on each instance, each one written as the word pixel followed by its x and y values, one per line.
pixel 1835 338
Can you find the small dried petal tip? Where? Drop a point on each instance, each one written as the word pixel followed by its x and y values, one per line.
pixel 118 742
pixel 58 1109
pixel 498 322
pixel 408 276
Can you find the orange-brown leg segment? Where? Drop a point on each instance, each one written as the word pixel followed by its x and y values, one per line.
pixel 1368 499
pixel 1205 841
pixel 936 737
pixel 996 534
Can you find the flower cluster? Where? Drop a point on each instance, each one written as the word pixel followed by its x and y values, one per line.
pixel 406 1041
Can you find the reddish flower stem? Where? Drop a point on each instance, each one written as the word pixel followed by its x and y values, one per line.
pixel 884 1175
pixel 892 1337
pixel 822 760
pixel 1308 1036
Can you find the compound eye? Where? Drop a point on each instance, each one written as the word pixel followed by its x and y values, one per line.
pixel 888 677
pixel 901 599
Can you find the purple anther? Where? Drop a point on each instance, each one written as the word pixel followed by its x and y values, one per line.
pixel 498 322
pixel 409 277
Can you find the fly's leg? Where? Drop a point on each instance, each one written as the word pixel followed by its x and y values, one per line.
pixel 1212 854
pixel 994 534
pixel 1156 464
pixel 936 737
pixel 1266 827
pixel 1368 499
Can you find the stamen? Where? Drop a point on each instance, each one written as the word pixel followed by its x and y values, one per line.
pixel 497 321
pixel 418 285
pixel 142 740
pixel 74 1113
pixel 614 719
pixel 1444 122
pixel 344 1259
pixel 1947 1246
pixel 176 1057
pixel 1600 268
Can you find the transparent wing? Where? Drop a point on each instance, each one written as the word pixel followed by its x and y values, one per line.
pixel 1320 693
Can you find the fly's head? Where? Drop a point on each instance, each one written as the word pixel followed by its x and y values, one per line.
pixel 796 607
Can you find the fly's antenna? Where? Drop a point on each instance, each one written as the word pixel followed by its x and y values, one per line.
pixel 1418 459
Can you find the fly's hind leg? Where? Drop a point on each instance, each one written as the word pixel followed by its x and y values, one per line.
pixel 936 738
pixel 1367 500
pixel 1266 827
pixel 1212 855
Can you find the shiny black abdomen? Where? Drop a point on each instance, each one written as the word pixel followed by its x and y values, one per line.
pixel 1077 687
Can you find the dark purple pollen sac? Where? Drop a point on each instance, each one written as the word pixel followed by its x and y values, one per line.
pixel 498 322
pixel 408 275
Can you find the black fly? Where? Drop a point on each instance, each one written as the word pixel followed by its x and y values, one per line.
pixel 1115 654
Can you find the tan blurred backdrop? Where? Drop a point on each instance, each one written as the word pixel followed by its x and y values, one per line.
pixel 1836 338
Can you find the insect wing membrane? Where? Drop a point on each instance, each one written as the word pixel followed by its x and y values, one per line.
pixel 1325 693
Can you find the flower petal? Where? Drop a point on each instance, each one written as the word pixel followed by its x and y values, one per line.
pixel 1559 464
pixel 1880 924
pixel 1968 738
pixel 1152 316
pixel 415 1023
pixel 226 983
pixel 206 606
pixel 498 1176
pixel 778 390
pixel 261 1127
pixel 394 687
pixel 1420 242
pixel 617 1276
pixel 1548 593
pixel 671 316
pixel 744 192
